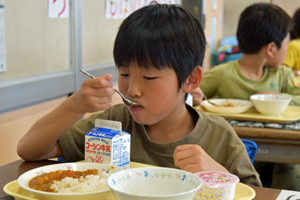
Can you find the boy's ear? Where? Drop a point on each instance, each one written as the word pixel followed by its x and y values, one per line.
pixel 270 49
pixel 193 80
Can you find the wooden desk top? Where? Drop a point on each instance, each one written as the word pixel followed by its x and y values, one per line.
pixel 267 133
pixel 12 171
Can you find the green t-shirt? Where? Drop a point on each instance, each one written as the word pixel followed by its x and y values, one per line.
pixel 227 81
pixel 212 133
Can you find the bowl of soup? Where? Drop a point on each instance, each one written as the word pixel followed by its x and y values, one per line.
pixel 154 183
pixel 269 104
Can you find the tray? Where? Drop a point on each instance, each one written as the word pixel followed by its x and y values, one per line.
pixel 12 188
pixel 291 114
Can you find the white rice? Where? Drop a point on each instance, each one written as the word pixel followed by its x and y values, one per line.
pixel 91 183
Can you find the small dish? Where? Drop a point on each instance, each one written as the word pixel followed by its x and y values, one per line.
pixel 238 106
pixel 218 185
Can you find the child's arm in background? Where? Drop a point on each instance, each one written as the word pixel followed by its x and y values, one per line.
pixel 193 158
pixel 197 96
pixel 41 141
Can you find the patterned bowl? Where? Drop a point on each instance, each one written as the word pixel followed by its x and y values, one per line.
pixel 153 183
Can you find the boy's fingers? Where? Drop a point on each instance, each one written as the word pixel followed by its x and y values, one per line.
pixel 182 152
pixel 103 92
pixel 101 81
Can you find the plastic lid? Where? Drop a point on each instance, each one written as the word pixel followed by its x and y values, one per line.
pixel 215 179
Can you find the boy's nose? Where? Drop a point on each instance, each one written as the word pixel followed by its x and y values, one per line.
pixel 134 89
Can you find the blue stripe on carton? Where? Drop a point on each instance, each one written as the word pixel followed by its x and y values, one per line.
pixel 103 132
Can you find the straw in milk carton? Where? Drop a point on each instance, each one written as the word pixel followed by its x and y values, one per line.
pixel 106 143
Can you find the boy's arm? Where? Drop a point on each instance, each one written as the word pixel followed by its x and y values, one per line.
pixel 193 158
pixel 41 141
pixel 289 86
pixel 244 169
pixel 209 84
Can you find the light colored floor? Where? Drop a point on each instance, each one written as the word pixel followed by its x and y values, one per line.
pixel 13 125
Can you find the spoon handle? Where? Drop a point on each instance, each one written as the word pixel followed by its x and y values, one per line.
pixel 86 73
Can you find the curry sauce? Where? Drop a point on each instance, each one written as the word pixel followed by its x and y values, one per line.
pixel 44 181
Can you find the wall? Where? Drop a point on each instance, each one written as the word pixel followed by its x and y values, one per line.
pixel 232 10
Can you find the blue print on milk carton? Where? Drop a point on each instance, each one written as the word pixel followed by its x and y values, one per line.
pixel 107 144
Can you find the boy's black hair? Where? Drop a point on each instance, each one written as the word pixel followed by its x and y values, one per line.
pixel 260 24
pixel 295 33
pixel 161 35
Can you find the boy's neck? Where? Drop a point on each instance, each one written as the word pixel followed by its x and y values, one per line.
pixel 252 65
pixel 173 128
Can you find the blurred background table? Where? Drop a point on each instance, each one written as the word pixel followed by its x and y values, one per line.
pixel 277 137
pixel 274 145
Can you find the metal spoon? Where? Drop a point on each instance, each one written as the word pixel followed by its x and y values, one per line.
pixel 126 101
pixel 214 104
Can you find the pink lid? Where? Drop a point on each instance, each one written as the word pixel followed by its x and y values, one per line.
pixel 215 179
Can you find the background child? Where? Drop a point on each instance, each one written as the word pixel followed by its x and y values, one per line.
pixel 159 51
pixel 263 35
pixel 292 58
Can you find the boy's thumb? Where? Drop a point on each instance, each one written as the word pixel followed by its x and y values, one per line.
pixel 107 77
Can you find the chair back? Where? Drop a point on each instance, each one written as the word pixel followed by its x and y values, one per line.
pixel 251 148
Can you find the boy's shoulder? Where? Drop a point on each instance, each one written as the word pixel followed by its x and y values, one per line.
pixel 281 69
pixel 232 65
pixel 213 122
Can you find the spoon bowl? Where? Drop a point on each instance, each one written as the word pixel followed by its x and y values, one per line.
pixel 214 104
pixel 126 101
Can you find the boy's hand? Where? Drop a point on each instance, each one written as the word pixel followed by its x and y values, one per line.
pixel 197 96
pixel 95 94
pixel 193 158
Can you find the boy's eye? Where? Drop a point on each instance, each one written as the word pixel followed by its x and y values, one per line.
pixel 124 74
pixel 149 78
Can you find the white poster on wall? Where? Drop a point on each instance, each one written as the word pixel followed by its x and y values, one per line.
pixel 58 8
pixel 120 9
pixel 2 40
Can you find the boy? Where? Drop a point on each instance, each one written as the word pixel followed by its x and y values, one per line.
pixel 159 51
pixel 292 58
pixel 263 35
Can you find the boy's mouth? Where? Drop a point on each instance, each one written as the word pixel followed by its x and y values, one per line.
pixel 134 109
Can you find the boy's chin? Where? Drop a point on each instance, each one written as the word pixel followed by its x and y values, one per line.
pixel 273 66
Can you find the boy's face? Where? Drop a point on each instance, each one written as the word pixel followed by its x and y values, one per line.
pixel 155 90
pixel 279 54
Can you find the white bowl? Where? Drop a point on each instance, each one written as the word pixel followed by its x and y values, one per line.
pixel 240 106
pixel 269 104
pixel 105 194
pixel 157 183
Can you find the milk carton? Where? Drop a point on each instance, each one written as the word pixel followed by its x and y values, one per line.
pixel 106 143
